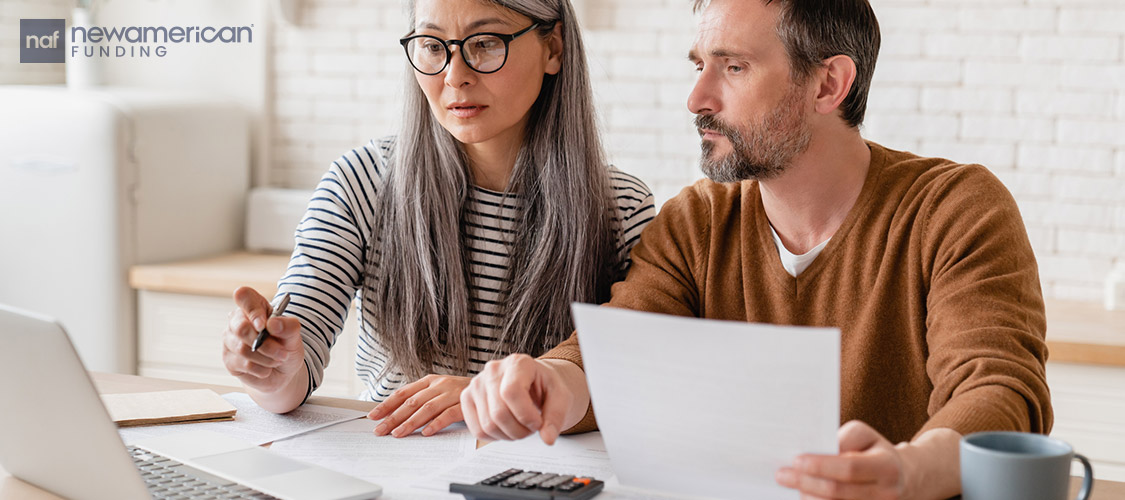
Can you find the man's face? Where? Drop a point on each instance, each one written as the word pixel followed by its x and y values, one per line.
pixel 750 114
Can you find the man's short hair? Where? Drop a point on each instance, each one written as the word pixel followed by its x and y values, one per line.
pixel 814 30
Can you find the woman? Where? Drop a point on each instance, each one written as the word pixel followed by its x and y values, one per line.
pixel 467 236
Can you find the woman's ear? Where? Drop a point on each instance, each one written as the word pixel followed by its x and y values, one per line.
pixel 554 50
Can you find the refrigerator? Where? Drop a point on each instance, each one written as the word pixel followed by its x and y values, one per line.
pixel 93 182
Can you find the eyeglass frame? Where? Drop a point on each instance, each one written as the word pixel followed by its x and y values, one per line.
pixel 506 38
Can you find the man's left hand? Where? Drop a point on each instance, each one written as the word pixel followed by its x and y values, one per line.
pixel 868 467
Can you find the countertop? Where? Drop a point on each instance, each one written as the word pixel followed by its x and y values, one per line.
pixel 1077 332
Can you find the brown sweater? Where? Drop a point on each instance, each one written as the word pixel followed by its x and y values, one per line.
pixel 931 279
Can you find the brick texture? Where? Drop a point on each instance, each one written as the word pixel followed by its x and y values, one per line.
pixel 1033 89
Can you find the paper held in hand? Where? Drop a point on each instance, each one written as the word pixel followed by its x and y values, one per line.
pixel 167 407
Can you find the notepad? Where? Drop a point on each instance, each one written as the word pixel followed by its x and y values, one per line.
pixel 167 407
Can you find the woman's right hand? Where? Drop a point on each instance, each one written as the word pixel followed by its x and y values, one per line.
pixel 272 367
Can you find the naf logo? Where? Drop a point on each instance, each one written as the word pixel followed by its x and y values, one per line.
pixel 42 40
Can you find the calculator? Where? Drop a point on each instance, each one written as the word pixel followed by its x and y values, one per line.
pixel 518 484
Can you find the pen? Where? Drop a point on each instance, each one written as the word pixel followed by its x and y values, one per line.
pixel 265 333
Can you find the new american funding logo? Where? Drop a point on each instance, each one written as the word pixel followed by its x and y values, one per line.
pixel 49 41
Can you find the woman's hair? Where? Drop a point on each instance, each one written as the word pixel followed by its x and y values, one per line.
pixel 564 246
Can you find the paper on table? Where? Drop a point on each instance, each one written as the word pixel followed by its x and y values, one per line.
pixel 705 407
pixel 393 463
pixel 581 455
pixel 252 423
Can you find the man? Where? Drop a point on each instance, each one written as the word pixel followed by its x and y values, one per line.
pixel 923 264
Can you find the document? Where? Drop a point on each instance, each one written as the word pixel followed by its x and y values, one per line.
pixel 396 464
pixel 253 424
pixel 580 455
pixel 708 408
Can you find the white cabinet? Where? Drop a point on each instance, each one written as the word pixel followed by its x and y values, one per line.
pixel 183 309
pixel 1089 404
pixel 180 339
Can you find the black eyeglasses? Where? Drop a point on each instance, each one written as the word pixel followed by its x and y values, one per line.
pixel 482 52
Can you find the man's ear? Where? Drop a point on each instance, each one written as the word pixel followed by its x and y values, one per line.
pixel 835 82
pixel 555 50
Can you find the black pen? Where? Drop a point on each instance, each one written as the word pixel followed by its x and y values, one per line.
pixel 265 333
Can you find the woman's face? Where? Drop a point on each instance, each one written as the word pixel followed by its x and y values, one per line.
pixel 484 108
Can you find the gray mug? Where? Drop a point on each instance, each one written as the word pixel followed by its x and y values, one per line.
pixel 1019 466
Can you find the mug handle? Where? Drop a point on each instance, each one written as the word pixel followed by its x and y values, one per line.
pixel 1087 478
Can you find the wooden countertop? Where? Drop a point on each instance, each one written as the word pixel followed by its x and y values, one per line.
pixel 1077 332
pixel 213 276
pixel 1083 332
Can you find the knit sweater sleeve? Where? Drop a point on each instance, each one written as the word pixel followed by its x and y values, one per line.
pixel 985 320
pixel 667 265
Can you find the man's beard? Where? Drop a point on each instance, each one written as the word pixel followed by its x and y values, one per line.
pixel 758 152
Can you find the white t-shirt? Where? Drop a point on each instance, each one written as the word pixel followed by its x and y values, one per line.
pixel 795 264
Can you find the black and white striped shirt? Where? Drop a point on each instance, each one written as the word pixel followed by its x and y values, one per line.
pixel 326 270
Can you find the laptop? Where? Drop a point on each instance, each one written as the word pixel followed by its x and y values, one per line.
pixel 55 434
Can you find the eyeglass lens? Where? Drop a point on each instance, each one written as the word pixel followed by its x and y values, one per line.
pixel 482 52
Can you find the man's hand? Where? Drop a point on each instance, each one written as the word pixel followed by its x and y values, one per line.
pixel 272 367
pixel 870 467
pixel 519 395
pixel 433 399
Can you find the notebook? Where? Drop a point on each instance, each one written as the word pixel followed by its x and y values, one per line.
pixel 56 434
pixel 167 407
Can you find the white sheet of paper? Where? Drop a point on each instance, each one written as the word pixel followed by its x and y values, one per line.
pixel 252 423
pixel 581 455
pixel 393 463
pixel 709 408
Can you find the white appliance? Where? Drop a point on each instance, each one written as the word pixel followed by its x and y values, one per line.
pixel 94 182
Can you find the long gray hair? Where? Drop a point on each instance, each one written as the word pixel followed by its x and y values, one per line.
pixel 564 244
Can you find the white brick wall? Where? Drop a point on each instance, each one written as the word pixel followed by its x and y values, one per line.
pixel 1033 89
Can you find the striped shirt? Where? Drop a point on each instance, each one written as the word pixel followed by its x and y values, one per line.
pixel 327 269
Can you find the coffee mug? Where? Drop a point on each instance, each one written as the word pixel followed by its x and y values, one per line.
pixel 1019 466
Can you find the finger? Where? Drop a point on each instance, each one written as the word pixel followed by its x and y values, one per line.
pixel 556 401
pixel 450 416
pixel 488 427
pixel 515 391
pixel 243 352
pixel 501 415
pixel 395 400
pixel 240 326
pixel 852 468
pixel 469 412
pixel 407 408
pixel 857 436
pixel 817 487
pixel 426 413
pixel 256 307
pixel 240 366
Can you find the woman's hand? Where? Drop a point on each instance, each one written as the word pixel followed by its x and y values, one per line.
pixel 433 399
pixel 272 367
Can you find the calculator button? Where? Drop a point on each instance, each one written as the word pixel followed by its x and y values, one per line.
pixel 517 479
pixel 567 487
pixel 557 480
pixel 583 480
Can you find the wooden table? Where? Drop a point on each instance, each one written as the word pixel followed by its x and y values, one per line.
pixel 108 383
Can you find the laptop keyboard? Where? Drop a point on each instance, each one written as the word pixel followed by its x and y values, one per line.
pixel 169 479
